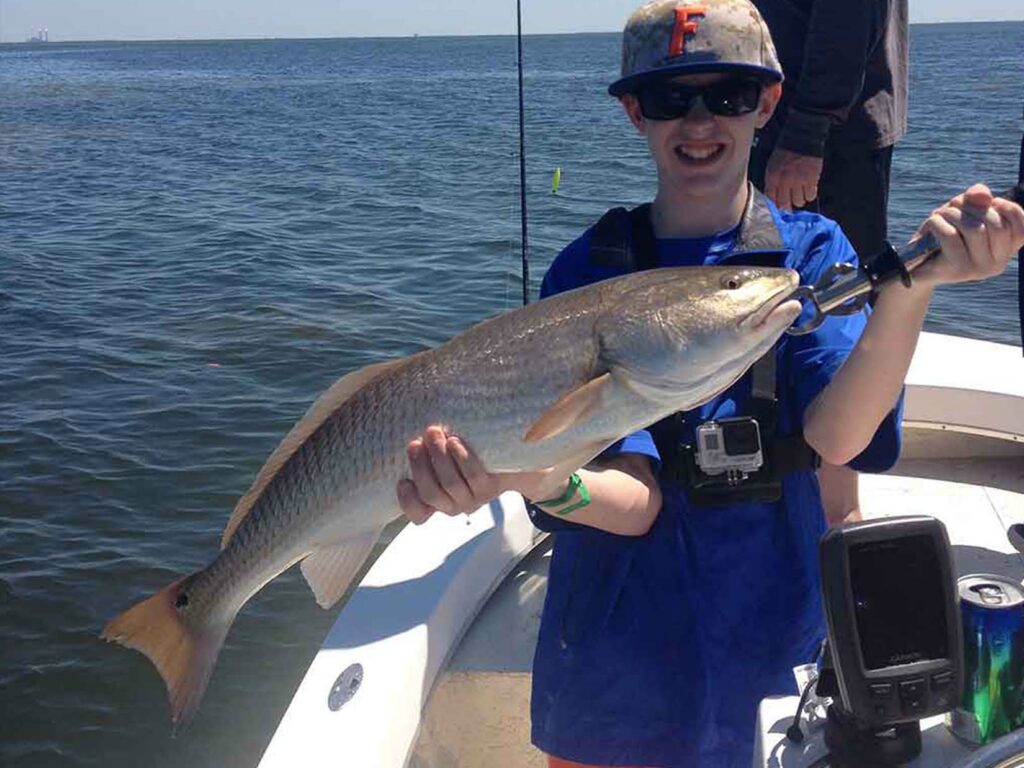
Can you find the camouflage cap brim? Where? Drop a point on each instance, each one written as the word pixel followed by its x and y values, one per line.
pixel 634 82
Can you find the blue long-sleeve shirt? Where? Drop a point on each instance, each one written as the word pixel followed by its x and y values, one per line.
pixel 655 650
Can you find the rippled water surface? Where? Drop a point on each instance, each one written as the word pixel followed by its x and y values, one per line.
pixel 197 238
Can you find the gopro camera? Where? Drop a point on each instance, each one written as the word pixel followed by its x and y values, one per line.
pixel 726 464
pixel 731 447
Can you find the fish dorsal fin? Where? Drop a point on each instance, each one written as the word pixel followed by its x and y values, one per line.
pixel 329 570
pixel 574 408
pixel 317 414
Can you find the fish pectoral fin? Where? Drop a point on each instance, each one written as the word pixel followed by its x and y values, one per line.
pixel 574 408
pixel 330 570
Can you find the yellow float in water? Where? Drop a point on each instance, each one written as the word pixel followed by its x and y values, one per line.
pixel 556 180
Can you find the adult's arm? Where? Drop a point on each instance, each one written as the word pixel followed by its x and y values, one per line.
pixel 841 34
pixel 840 494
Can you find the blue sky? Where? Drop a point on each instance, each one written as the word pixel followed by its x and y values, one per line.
pixel 168 19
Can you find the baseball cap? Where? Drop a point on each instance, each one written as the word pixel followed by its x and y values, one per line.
pixel 665 38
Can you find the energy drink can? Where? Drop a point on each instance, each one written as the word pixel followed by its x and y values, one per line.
pixel 992 611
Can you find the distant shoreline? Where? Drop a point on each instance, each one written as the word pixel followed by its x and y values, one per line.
pixel 257 38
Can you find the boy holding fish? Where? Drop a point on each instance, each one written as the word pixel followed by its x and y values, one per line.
pixel 678 596
pixel 666 621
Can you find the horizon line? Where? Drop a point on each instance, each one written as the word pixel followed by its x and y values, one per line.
pixel 251 38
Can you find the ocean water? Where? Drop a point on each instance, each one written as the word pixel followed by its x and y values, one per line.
pixel 196 238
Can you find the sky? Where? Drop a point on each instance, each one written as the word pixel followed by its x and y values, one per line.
pixel 170 19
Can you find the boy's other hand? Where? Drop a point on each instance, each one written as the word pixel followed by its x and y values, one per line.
pixel 978 234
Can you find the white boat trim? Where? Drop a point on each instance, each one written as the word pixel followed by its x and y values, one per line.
pixel 963 429
pixel 400 626
pixel 962 385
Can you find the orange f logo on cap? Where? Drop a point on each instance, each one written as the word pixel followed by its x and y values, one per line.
pixel 684 27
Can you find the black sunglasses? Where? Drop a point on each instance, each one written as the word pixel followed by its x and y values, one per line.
pixel 727 98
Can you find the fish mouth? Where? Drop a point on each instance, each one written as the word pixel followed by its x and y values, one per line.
pixel 779 306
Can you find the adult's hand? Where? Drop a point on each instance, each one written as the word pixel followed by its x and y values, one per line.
pixel 791 179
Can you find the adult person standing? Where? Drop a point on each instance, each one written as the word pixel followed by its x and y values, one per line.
pixel 829 145
pixel 843 108
pixel 667 617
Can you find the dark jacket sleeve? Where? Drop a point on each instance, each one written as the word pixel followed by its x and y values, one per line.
pixel 841 35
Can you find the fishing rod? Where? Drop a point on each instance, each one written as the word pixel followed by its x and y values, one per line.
pixel 844 289
pixel 522 158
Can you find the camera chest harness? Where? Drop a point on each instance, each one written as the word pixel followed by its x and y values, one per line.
pixel 624 240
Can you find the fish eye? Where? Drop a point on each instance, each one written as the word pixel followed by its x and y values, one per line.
pixel 732 282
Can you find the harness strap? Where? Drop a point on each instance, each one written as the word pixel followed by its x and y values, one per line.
pixel 609 241
pixel 646 244
pixel 762 386
pixel 792 454
pixel 625 240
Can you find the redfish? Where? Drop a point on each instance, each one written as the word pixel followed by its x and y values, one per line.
pixel 547 385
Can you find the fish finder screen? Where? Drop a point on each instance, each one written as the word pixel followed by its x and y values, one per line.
pixel 898 599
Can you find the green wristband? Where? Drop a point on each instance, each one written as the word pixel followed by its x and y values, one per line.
pixel 575 485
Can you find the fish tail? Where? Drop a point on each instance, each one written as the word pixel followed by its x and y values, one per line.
pixel 183 651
